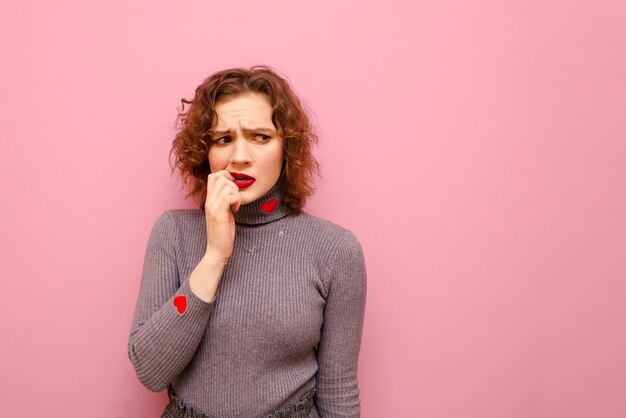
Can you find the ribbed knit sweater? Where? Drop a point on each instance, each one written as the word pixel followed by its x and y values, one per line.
pixel 287 315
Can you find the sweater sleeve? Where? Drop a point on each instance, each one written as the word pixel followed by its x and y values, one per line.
pixel 338 349
pixel 162 341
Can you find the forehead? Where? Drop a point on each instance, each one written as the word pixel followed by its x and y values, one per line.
pixel 248 108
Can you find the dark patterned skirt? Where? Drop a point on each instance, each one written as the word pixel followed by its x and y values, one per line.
pixel 303 409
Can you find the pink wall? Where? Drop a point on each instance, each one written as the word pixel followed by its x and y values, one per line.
pixel 477 149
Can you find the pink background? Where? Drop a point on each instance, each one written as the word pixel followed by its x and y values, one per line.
pixel 476 148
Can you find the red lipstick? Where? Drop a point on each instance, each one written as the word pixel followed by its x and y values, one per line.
pixel 242 180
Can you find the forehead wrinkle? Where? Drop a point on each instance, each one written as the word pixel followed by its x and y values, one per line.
pixel 246 129
pixel 244 124
pixel 236 114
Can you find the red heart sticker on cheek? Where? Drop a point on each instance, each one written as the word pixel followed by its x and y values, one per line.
pixel 269 206
pixel 181 304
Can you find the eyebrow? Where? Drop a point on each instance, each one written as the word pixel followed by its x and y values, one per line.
pixel 246 130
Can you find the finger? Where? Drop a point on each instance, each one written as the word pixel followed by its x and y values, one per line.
pixel 236 202
pixel 223 173
pixel 227 196
pixel 214 193
pixel 223 176
pixel 211 180
pixel 227 180
pixel 223 183
pixel 213 177
pixel 216 182
pixel 229 176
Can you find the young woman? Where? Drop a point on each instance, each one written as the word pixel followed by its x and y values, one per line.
pixel 248 306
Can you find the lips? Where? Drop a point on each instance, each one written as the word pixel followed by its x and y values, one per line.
pixel 242 180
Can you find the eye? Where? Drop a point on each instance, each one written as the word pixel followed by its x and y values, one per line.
pixel 263 138
pixel 223 140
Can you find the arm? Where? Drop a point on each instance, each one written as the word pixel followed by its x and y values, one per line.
pixel 162 341
pixel 338 349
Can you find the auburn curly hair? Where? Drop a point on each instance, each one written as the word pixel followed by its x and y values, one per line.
pixel 191 144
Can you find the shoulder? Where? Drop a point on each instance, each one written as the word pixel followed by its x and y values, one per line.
pixel 340 259
pixel 174 223
pixel 319 226
pixel 338 243
pixel 180 218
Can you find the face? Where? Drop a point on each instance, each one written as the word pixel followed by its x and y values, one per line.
pixel 245 141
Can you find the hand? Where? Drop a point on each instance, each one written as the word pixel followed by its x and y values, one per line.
pixel 222 199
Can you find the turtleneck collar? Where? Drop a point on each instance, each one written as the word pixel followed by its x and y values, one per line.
pixel 267 208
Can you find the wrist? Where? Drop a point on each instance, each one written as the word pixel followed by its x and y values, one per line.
pixel 206 277
pixel 214 259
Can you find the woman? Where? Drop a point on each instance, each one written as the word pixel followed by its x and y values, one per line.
pixel 248 306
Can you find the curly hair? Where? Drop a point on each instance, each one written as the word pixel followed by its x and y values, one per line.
pixel 191 143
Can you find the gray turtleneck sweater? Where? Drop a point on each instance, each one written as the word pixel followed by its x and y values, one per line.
pixel 287 316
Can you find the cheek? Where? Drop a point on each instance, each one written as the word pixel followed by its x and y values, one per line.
pixel 279 155
pixel 276 164
pixel 215 160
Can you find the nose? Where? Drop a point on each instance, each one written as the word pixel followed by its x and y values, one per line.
pixel 241 152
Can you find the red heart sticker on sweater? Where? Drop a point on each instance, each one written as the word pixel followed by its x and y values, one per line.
pixel 269 206
pixel 181 304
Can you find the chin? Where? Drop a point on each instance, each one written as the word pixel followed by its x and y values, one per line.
pixel 246 197
pixel 252 193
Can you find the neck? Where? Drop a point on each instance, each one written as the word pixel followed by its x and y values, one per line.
pixel 267 208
